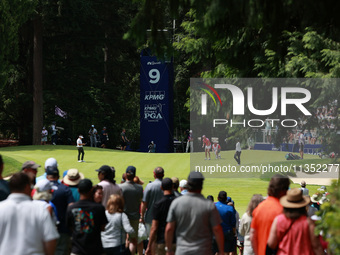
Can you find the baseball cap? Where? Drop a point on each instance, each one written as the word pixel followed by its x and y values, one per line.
pixel 131 170
pixel 30 164
pixel 183 183
pixel 73 177
pixel 85 186
pixel 81 136
pixel 52 170
pixel 167 184
pixel 51 162
pixel 303 183
pixel 195 180
pixel 43 185
pixel 105 169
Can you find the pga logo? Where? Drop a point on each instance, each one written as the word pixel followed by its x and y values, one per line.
pixel 238 100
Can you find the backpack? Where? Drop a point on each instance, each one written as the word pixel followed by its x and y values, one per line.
pixel 291 156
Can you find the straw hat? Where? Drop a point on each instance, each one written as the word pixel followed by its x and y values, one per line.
pixel 73 177
pixel 294 199
pixel 315 198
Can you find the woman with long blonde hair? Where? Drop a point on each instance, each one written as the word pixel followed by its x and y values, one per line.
pixel 114 235
pixel 244 227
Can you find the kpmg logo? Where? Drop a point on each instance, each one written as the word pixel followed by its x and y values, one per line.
pixel 151 63
pixel 239 104
pixel 153 112
pixel 154 95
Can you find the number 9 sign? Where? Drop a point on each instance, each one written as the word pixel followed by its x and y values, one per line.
pixel 154 75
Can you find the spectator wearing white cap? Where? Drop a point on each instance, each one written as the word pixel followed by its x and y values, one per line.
pixel 80 145
pixel 183 186
pixel 52 162
pixel 72 179
pixel 43 193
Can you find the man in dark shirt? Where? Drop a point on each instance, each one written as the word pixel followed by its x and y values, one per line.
pixel 160 213
pixel 86 219
pixel 61 198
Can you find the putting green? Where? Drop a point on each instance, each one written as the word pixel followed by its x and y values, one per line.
pixel 175 164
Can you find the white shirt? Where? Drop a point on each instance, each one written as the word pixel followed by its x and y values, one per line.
pixel 24 226
pixel 238 146
pixel 44 132
pixel 79 142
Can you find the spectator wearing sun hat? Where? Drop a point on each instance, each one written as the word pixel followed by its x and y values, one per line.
pixel 292 232
pixel 72 179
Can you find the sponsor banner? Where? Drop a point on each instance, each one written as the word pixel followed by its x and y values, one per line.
pixel 156 103
pixel 264 126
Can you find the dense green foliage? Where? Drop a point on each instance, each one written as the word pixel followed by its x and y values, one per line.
pixel 280 39
pixel 89 71
pixel 330 219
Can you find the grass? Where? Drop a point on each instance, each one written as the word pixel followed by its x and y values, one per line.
pixel 240 189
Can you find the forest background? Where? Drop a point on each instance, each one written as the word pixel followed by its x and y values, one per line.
pixel 83 57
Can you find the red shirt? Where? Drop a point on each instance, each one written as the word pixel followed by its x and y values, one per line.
pixel 296 240
pixel 206 141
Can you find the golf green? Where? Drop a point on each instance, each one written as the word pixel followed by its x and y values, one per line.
pixel 240 189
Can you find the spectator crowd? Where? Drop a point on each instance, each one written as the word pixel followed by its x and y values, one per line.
pixel 66 213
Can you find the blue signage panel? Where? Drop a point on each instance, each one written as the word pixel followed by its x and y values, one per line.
pixel 156 103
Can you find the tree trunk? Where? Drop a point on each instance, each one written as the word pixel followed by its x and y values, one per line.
pixel 37 82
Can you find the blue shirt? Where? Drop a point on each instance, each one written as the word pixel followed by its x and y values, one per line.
pixel 61 198
pixel 228 216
